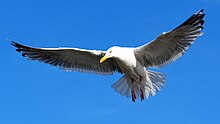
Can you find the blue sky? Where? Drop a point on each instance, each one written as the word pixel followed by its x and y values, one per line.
pixel 36 93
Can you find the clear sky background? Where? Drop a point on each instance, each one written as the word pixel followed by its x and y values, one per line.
pixel 36 93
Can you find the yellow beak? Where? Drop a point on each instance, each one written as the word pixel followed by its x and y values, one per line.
pixel 103 59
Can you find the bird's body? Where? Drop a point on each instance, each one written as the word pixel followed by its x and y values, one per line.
pixel 136 78
pixel 137 81
pixel 134 72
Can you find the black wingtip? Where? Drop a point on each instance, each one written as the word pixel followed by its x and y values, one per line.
pixel 202 22
pixel 199 15
pixel 11 41
pixel 15 44
pixel 200 12
pixel 19 47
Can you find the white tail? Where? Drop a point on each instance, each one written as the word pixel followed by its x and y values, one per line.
pixel 122 86
pixel 154 82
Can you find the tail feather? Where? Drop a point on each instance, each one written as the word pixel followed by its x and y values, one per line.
pixel 147 91
pixel 158 79
pixel 122 87
pixel 119 82
pixel 125 91
pixel 154 82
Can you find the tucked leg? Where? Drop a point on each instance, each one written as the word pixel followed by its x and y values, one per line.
pixel 133 95
pixel 141 78
pixel 141 94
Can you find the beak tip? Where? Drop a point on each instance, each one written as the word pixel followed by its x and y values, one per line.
pixel 102 59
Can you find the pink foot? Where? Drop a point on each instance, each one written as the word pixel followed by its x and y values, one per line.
pixel 141 95
pixel 133 95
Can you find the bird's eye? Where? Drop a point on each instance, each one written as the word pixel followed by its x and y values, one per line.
pixel 110 51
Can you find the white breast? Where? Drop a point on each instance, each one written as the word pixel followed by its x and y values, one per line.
pixel 129 64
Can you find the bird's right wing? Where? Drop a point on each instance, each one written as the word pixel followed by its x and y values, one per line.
pixel 73 59
pixel 171 45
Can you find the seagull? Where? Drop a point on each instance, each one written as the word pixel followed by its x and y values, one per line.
pixel 132 62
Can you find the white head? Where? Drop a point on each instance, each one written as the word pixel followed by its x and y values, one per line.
pixel 111 52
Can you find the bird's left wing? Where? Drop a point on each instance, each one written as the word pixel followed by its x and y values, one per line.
pixel 171 45
pixel 73 59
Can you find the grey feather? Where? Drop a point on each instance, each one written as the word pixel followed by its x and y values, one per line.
pixel 169 46
pixel 72 59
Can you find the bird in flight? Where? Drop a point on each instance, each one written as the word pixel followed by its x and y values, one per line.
pixel 132 62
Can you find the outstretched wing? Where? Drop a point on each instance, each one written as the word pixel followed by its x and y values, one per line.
pixel 169 46
pixel 73 59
